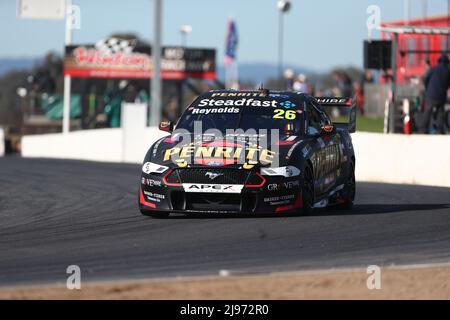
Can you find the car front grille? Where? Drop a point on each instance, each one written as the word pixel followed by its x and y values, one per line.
pixel 216 175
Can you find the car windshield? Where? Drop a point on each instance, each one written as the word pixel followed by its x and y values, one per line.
pixel 243 113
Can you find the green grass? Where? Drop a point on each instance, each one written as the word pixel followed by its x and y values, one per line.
pixel 366 124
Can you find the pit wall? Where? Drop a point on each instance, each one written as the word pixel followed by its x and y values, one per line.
pixel 409 159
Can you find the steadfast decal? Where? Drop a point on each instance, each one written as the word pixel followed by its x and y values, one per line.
pixel 237 103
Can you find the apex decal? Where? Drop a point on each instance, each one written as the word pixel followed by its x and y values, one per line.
pixel 213 188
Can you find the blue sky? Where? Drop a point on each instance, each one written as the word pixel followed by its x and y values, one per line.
pixel 319 34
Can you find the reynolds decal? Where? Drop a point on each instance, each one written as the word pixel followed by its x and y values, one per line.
pixel 215 110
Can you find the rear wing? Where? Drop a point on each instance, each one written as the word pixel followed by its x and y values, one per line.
pixel 342 112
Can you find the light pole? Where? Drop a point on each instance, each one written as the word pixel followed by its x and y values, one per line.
pixel 185 30
pixel 156 84
pixel 283 6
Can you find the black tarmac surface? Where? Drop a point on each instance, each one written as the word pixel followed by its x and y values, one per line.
pixel 56 213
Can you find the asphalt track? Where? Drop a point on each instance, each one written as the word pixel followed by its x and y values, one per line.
pixel 56 213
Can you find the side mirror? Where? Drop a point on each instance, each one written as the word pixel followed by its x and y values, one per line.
pixel 166 126
pixel 327 128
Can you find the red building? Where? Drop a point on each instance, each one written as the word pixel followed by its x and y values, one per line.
pixel 414 49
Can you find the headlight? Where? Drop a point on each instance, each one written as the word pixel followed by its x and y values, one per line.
pixel 289 171
pixel 150 167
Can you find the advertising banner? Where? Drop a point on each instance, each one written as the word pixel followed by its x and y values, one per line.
pixel 122 59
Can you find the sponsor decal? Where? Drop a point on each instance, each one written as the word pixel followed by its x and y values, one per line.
pixel 287 104
pixel 287 185
pixel 291 184
pixel 215 163
pixel 215 110
pixel 154 196
pixel 156 146
pixel 277 95
pixel 212 153
pixel 151 182
pixel 338 101
pixel 239 94
pixel 289 171
pixel 212 188
pixel 150 167
pixel 275 201
pixel 244 102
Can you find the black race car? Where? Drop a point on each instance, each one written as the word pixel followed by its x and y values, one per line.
pixel 252 152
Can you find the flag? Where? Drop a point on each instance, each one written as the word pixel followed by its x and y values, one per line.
pixel 231 42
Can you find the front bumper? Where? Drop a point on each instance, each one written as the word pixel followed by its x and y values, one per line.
pixel 276 195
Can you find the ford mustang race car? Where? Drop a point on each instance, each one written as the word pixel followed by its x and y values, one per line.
pixel 252 152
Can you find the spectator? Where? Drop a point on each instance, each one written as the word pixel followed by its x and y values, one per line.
pixel 289 79
pixel 437 82
pixel 301 84
pixel 344 84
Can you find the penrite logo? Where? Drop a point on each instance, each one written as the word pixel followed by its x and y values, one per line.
pixel 213 175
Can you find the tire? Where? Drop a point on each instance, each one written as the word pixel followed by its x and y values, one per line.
pixel 308 191
pixel 350 187
pixel 155 215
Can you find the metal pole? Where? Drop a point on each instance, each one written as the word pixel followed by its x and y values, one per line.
pixel 393 84
pixel 280 46
pixel 183 39
pixel 156 94
pixel 407 13
pixel 67 79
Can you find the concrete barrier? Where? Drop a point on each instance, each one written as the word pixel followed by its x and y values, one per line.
pixel 105 145
pixel 416 159
pixel 395 158
pixel 2 142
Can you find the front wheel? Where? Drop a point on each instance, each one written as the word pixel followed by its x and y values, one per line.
pixel 350 187
pixel 308 191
